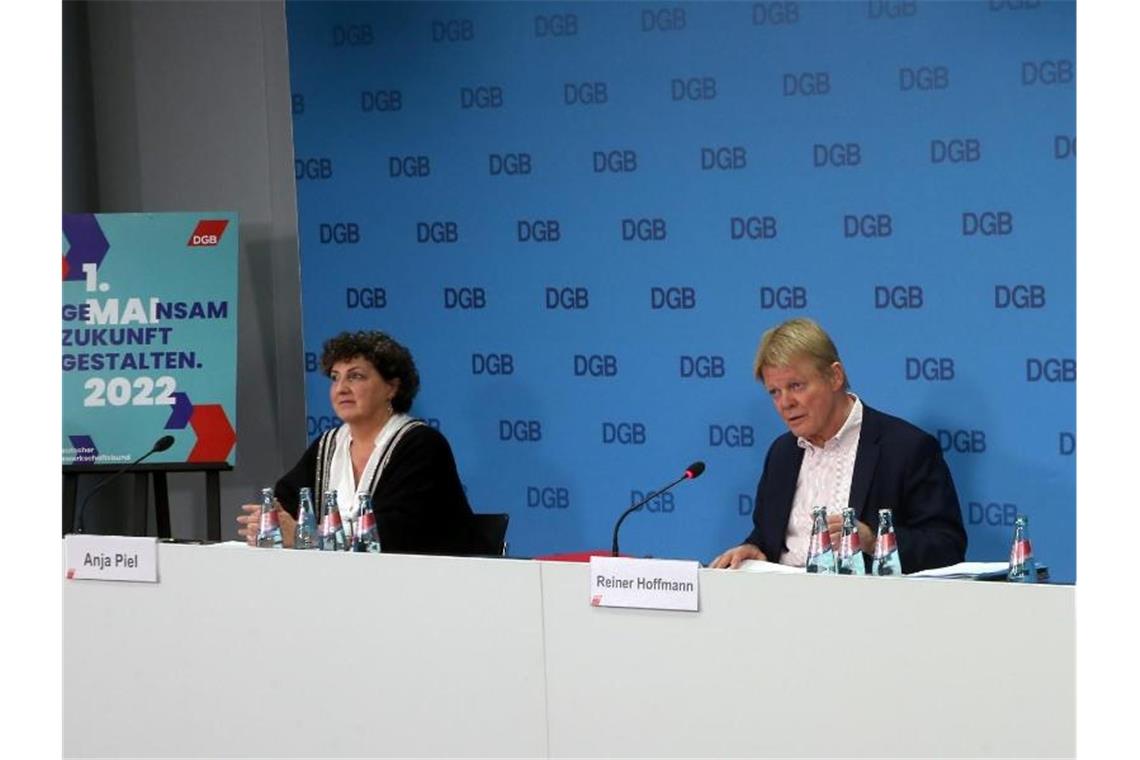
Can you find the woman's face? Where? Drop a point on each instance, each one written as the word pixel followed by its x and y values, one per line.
pixel 358 392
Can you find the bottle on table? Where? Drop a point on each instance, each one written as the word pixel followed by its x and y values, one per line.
pixel 332 536
pixel 268 527
pixel 305 535
pixel 886 560
pixel 821 557
pixel 1022 566
pixel 850 547
pixel 366 537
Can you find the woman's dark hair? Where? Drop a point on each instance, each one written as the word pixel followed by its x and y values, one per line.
pixel 392 360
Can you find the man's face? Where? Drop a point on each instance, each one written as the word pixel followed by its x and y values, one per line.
pixel 813 404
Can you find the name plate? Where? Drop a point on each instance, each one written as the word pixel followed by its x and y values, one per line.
pixel 111 558
pixel 651 584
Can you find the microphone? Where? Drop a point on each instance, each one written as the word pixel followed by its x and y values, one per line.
pixel 162 444
pixel 692 471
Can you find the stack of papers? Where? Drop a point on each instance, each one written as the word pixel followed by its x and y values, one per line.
pixel 761 566
pixel 966 570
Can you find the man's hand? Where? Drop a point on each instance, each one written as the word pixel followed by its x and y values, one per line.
pixel 866 535
pixel 734 556
pixel 835 529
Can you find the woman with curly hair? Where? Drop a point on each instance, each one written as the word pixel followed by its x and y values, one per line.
pixel 406 465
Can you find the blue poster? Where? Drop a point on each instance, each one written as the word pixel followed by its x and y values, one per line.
pixel 149 337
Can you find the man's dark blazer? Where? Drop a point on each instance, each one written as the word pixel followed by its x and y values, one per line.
pixel 897 465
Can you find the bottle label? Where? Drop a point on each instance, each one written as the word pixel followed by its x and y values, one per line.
pixel 367 523
pixel 1022 551
pixel 885 545
pixel 268 521
pixel 853 545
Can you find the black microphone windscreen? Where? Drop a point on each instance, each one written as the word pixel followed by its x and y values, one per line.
pixel 163 443
pixel 695 470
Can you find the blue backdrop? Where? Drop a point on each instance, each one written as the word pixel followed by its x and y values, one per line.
pixel 581 217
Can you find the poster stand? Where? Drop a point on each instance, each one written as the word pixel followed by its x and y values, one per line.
pixel 137 516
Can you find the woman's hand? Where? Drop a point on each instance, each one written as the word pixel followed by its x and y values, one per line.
pixel 249 523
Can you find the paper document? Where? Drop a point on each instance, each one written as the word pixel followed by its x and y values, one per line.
pixel 965 570
pixel 762 566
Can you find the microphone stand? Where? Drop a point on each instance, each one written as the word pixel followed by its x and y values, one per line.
pixel 641 504
pixel 162 444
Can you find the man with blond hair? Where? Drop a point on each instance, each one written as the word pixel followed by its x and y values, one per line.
pixel 840 452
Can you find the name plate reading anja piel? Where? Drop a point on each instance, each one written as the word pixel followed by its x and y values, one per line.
pixel 111 558
pixel 650 584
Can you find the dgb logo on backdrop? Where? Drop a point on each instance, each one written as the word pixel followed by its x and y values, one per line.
pixel 643 229
pixel 366 298
pixel 595 365
pixel 807 83
pixel 956 150
pixel 1051 370
pixel 1019 296
pixel 548 497
pixel 783 297
pixel 584 93
pixel 511 164
pixel 931 368
pixel 1047 72
pixel 731 158
pixel 471 297
pixel 339 233
pixel 352 35
pixel 481 96
pixel 962 441
pixel 899 297
pixel 574 298
pixel 492 364
pixel 775 14
pixel 836 154
pixel 991 513
pixel 539 230
pixel 703 367
pixel 381 100
pixel 409 166
pixel 312 168
pixel 752 227
pixel 662 503
pixel 669 19
pixel 1067 444
pixel 452 30
pixel 732 436
pixel 672 298
pixel 314 426
pixel 617 161
pixel 437 232
pixel 556 25
pixel 1064 146
pixel 524 431
pixel 693 88
pixel 623 433
pixel 867 225
pixel 987 223
pixel 924 78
